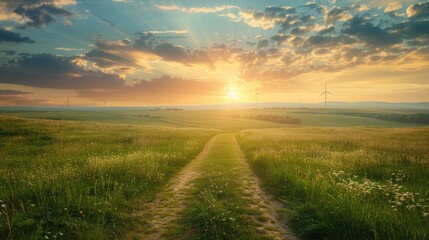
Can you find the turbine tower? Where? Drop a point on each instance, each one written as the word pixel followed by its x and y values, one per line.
pixel 326 94
pixel 68 104
pixel 257 98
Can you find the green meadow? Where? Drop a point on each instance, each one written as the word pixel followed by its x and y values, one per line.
pixel 346 183
pixel 72 180
pixel 335 174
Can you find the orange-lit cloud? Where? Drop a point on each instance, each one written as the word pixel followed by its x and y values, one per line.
pixel 196 9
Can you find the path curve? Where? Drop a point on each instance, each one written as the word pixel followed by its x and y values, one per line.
pixel 169 204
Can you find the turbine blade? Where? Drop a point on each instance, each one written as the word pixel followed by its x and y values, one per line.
pixel 330 93
pixel 322 93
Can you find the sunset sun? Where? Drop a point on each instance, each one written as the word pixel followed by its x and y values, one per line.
pixel 232 94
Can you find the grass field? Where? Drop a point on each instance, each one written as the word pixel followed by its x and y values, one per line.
pixel 346 183
pixel 78 180
pixel 136 174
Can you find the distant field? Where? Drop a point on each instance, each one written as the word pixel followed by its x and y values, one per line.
pixel 218 119
pixel 346 183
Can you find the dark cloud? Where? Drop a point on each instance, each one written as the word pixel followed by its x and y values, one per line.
pixel 280 38
pixel 323 40
pixel 263 43
pixel 42 15
pixel 49 71
pixel 147 46
pixel 412 29
pixel 8 52
pixel 276 12
pixel 289 21
pixel 108 21
pixel 36 13
pixel 13 92
pixel 112 54
pixel 8 36
pixel 327 30
pixel 170 52
pixel 313 6
pixel 163 90
pixel 299 30
pixel 307 18
pixel 418 10
pixel 368 33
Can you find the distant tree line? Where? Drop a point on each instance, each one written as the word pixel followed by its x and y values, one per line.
pixel 271 118
pixel 420 118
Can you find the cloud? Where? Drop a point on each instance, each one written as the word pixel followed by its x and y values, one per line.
pixel 42 15
pixel 330 41
pixel 393 7
pixel 313 6
pixel 57 72
pixel 119 56
pixel 214 9
pixel 327 30
pixel 336 14
pixel 13 92
pixel 163 90
pixel 69 49
pixel 368 33
pixel 412 30
pixel 168 32
pixel 10 100
pixel 128 55
pixel 8 36
pixel 280 38
pixel 262 43
pixel 35 13
pixel 8 52
pixel 418 10
pixel 107 21
pixel 270 17
pixel 17 97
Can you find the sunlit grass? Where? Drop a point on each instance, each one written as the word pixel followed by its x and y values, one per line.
pixel 346 183
pixel 218 210
pixel 79 180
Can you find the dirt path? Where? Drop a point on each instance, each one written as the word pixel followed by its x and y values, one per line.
pixel 270 223
pixel 163 213
pixel 169 204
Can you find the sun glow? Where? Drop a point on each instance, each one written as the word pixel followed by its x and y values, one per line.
pixel 232 94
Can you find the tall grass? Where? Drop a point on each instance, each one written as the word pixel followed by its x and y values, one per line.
pixel 346 183
pixel 79 180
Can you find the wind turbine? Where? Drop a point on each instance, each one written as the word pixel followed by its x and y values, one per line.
pixel 257 98
pixel 68 104
pixel 326 94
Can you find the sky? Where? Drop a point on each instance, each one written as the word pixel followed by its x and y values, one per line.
pixel 193 52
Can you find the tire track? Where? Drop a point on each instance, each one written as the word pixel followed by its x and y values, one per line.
pixel 269 221
pixel 163 213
